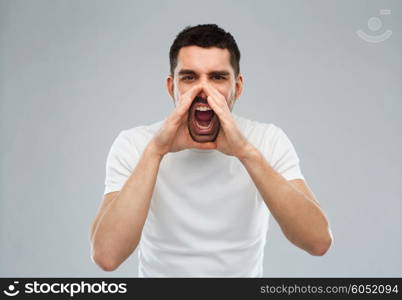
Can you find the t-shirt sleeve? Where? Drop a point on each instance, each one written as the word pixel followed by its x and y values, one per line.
pixel 284 157
pixel 121 159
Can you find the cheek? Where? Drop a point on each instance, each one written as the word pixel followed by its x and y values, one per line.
pixel 232 100
pixel 178 89
pixel 182 88
pixel 230 104
pixel 225 91
pixel 229 95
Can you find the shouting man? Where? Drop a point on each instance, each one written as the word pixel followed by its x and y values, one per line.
pixel 195 191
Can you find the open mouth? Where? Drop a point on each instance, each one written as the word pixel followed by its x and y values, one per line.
pixel 203 123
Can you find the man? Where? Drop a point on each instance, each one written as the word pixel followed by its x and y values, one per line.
pixel 195 190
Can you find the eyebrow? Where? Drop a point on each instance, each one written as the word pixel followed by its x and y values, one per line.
pixel 191 72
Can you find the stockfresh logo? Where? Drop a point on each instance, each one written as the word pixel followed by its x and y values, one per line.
pixel 71 289
pixel 12 289
pixel 374 24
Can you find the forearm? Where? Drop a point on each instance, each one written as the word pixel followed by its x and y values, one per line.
pixel 300 218
pixel 118 230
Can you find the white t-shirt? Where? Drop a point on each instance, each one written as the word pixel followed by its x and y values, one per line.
pixel 206 217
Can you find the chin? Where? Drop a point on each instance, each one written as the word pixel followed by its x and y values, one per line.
pixel 204 138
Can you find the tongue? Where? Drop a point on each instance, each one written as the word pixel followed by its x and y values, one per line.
pixel 205 116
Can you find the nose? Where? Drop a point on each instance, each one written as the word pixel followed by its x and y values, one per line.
pixel 202 93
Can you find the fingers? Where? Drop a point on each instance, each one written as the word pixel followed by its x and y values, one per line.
pixel 187 98
pixel 183 105
pixel 218 103
pixel 218 98
pixel 215 106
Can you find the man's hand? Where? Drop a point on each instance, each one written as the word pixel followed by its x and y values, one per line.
pixel 230 140
pixel 174 135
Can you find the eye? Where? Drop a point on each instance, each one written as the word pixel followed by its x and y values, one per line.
pixel 188 77
pixel 218 77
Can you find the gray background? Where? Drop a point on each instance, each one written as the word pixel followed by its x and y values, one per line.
pixel 75 73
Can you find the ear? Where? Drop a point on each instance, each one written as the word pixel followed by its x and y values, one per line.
pixel 170 86
pixel 239 86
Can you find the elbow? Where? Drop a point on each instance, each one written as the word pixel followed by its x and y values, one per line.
pixel 319 250
pixel 104 262
pixel 107 266
pixel 322 247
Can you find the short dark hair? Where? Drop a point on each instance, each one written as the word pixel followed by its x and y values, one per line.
pixel 205 35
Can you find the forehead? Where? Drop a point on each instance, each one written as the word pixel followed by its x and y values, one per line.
pixel 202 59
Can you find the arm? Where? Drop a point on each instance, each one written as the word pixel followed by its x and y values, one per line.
pixel 299 216
pixel 291 203
pixel 117 230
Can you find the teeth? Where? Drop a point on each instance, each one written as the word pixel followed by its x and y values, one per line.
pixel 204 127
pixel 203 108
